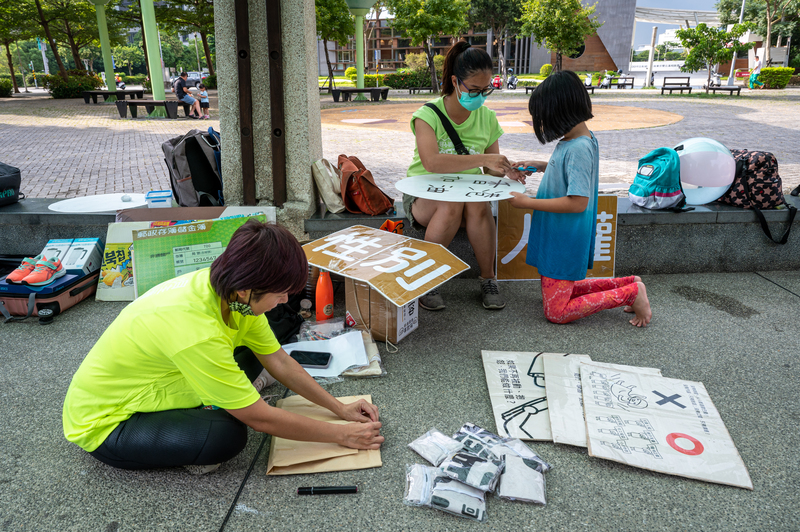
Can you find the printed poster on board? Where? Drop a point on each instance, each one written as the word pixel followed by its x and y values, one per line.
pixel 513 226
pixel 665 425
pixel 162 253
pixel 517 391
pixel 399 267
pixel 564 399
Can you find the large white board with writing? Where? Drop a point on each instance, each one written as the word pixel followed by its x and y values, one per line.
pixel 459 187
pixel 665 425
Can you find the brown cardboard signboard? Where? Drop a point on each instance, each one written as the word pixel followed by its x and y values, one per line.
pixel 398 267
pixel 512 241
pixel 371 311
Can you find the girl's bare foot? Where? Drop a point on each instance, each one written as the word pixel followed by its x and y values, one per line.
pixel 641 306
pixel 628 308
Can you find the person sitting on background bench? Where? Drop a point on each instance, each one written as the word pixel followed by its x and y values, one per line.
pixel 179 88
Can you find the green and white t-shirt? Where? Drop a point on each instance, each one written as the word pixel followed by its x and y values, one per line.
pixel 478 132
pixel 167 350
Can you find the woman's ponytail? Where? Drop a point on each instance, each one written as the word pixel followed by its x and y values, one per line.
pixel 462 61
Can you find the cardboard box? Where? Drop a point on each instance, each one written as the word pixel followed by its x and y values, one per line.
pixel 371 311
pixel 84 256
pixel 57 248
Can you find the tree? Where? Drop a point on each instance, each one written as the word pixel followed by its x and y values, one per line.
pixel 334 23
pixel 128 55
pixel 124 13
pixel 709 46
pixel 421 20
pixel 196 16
pixel 47 14
pixel 662 50
pixel 561 26
pixel 501 16
pixel 14 27
pixel 767 16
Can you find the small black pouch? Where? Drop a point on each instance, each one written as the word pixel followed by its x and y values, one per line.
pixel 10 180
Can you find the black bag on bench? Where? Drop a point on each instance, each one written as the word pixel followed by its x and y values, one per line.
pixel 10 180
pixel 193 169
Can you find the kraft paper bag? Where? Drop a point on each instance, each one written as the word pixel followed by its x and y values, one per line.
pixel 290 457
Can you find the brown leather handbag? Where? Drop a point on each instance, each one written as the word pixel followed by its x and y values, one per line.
pixel 359 191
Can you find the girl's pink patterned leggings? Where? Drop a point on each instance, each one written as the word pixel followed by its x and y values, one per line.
pixel 566 301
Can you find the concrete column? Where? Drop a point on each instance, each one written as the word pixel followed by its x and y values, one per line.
pixel 153 59
pixel 650 57
pixel 303 132
pixel 105 46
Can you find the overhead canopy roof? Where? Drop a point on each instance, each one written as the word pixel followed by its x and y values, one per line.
pixel 676 16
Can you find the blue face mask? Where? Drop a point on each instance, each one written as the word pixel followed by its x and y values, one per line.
pixel 469 102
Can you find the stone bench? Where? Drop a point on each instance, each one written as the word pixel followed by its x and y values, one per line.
pixel 171 106
pixel 119 93
pixel 376 93
pixel 415 90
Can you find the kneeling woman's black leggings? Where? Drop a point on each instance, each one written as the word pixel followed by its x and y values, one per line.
pixel 173 438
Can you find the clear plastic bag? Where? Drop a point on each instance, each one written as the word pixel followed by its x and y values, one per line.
pixel 321 330
pixel 470 469
pixel 434 446
pixel 427 487
pixel 521 481
pixel 517 447
pixel 486 444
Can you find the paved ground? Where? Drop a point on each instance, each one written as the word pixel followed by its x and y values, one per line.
pixel 736 333
pixel 67 148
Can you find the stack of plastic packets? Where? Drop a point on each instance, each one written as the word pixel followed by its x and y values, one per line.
pixel 467 466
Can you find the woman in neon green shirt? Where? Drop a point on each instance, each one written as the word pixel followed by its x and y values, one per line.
pixel 162 386
pixel 465 86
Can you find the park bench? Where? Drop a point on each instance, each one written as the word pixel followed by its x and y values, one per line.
pixel 414 90
pixel 681 84
pixel 376 93
pixel 589 88
pixel 529 89
pixel 731 89
pixel 170 106
pixel 624 81
pixel 120 94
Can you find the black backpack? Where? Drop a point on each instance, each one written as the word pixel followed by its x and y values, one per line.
pixel 192 161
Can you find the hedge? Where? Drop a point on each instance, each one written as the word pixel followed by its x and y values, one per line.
pixel 369 80
pixel 546 70
pixel 408 79
pixel 211 81
pixel 351 73
pixel 16 75
pixel 77 82
pixel 776 78
pixel 6 87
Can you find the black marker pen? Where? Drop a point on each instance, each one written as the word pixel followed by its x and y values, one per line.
pixel 325 490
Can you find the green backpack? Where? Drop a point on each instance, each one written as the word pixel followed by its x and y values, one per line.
pixel 658 181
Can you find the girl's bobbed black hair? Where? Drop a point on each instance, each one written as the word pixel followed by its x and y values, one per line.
pixel 559 104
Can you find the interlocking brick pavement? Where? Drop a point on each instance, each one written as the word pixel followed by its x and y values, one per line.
pixel 66 148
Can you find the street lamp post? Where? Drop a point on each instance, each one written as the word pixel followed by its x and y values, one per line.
pixel 359 8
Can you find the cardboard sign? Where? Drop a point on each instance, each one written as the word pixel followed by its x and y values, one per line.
pixel 513 227
pixel 517 391
pixel 665 425
pixel 400 268
pixel 162 253
pixel 564 399
pixel 459 187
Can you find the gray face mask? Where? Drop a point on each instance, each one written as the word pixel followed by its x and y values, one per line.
pixel 242 308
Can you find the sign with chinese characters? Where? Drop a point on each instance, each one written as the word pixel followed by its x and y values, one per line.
pixel 161 253
pixel 665 425
pixel 517 391
pixel 459 187
pixel 513 226
pixel 399 267
pixel 564 399
pixel 116 270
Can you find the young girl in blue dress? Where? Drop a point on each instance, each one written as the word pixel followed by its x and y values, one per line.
pixel 562 234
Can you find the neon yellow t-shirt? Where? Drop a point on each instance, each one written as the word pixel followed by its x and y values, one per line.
pixel 477 133
pixel 167 350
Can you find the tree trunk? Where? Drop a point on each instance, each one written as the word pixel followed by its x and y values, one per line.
pixel 768 37
pixel 76 56
pixel 432 67
pixel 53 47
pixel 330 68
pixel 144 47
pixel 557 67
pixel 207 53
pixel 11 67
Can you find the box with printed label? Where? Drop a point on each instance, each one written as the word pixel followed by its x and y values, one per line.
pixel 57 248
pixel 371 311
pixel 84 256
